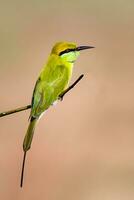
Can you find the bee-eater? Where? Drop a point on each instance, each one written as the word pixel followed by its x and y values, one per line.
pixel 53 80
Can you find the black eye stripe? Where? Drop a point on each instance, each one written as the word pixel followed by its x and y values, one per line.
pixel 66 51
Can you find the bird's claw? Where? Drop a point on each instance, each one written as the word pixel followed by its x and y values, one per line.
pixel 60 98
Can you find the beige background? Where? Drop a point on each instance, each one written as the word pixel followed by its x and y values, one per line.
pixel 84 147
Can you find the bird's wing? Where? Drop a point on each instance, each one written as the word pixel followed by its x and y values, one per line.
pixel 37 99
pixel 47 89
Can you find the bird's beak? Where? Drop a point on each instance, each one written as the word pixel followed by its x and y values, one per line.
pixel 80 48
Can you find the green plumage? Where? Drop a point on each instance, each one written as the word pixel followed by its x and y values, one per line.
pixel 53 80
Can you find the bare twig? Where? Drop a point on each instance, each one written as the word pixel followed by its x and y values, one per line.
pixel 29 106
pixel 14 111
pixel 70 87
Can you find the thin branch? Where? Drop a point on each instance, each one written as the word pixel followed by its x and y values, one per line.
pixel 29 106
pixel 70 87
pixel 15 110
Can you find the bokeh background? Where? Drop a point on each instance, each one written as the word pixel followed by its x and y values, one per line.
pixel 83 148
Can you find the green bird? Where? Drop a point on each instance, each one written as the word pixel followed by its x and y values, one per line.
pixel 53 80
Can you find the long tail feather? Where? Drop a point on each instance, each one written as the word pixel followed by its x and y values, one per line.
pixel 29 135
pixel 27 144
pixel 22 171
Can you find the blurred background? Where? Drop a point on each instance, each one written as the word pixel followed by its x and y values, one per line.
pixel 83 147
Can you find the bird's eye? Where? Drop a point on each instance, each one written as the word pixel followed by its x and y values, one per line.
pixel 66 51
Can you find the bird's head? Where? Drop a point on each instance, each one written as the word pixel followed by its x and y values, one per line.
pixel 68 51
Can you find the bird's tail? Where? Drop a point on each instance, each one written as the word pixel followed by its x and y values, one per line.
pixel 27 143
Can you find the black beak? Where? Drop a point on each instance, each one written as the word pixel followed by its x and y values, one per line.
pixel 80 48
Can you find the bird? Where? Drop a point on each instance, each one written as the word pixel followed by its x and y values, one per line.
pixel 54 78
